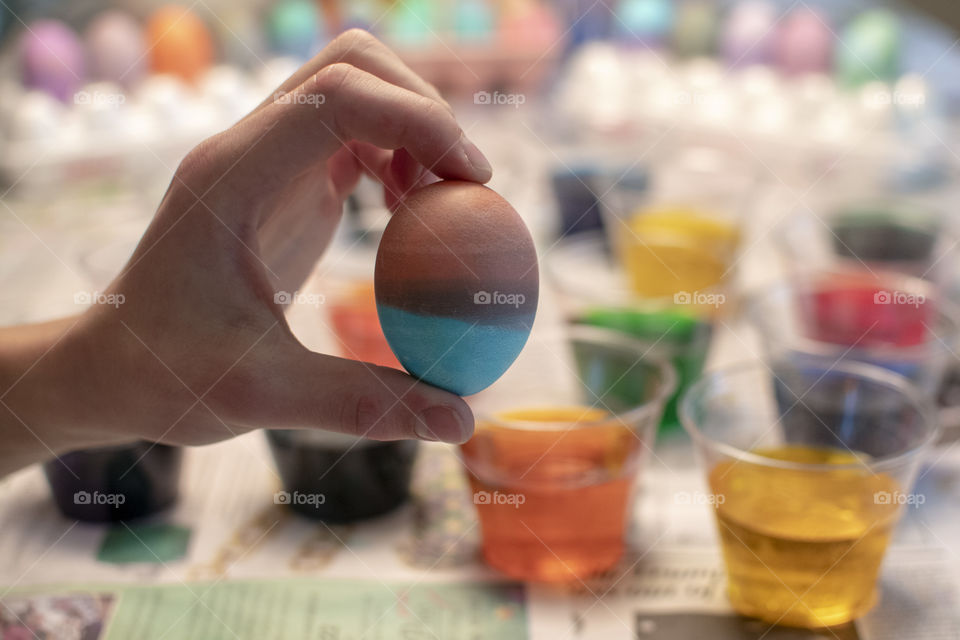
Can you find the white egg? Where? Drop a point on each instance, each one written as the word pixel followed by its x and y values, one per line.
pixel 38 117
pixel 101 108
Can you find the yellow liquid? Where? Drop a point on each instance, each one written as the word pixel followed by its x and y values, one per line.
pixel 672 250
pixel 802 548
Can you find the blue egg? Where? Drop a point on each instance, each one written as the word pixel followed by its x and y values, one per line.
pixel 645 22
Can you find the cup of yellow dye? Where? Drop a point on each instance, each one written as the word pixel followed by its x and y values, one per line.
pixel 810 464
pixel 593 290
pixel 679 235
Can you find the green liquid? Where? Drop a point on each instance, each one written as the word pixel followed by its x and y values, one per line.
pixel 672 335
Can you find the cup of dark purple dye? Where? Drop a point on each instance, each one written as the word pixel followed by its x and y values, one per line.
pixel 339 478
pixel 109 484
pixel 889 234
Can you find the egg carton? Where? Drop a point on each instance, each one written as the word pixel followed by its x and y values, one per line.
pixel 108 133
pixel 792 126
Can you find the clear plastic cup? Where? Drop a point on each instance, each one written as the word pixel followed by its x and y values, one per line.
pixel 557 448
pixel 810 464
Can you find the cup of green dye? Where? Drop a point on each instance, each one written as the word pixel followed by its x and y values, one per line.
pixel 594 291
pixel 876 233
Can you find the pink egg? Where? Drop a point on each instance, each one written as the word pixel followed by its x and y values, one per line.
pixel 116 49
pixel 51 59
pixel 804 43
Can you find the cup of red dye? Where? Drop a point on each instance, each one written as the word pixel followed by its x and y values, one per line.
pixel 879 317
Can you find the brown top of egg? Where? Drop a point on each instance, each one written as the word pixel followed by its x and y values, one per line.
pixel 449 242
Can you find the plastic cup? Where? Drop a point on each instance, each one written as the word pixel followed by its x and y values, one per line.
pixel 594 291
pixel 810 465
pixel 558 445
pixel 881 318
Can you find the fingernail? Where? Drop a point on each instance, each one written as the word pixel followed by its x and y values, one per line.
pixel 439 423
pixel 476 158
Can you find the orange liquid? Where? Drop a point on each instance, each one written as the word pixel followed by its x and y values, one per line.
pixel 355 321
pixel 552 500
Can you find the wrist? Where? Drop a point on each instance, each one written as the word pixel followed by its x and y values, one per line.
pixel 42 387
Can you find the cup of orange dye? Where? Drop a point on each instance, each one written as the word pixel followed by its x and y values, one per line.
pixel 354 321
pixel 559 442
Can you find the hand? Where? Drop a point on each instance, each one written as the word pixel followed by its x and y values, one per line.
pixel 199 351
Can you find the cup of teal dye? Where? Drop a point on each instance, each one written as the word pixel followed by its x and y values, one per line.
pixel 594 291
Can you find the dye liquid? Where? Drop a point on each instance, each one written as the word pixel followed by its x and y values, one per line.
pixel 673 335
pixel 552 499
pixel 803 547
pixel 669 251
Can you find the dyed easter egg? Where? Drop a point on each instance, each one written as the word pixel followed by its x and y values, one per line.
pixel 871 49
pixel 645 22
pixel 456 285
pixel 294 29
pixel 804 43
pixel 748 34
pixel 695 28
pixel 116 49
pixel 52 59
pixel 473 20
pixel 179 43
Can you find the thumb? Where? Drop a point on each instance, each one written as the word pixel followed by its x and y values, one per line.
pixel 313 390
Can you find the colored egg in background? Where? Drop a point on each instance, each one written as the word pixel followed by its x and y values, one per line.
pixel 294 28
pixel 871 49
pixel 116 49
pixel 804 43
pixel 644 22
pixel 456 284
pixel 179 43
pixel 747 36
pixel 52 59
pixel 695 28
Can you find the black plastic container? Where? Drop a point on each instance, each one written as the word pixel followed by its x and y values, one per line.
pixel 122 482
pixel 338 478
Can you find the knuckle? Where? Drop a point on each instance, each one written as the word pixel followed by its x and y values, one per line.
pixel 359 414
pixel 332 77
pixel 355 39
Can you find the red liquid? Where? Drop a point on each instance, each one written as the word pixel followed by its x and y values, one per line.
pixel 867 313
